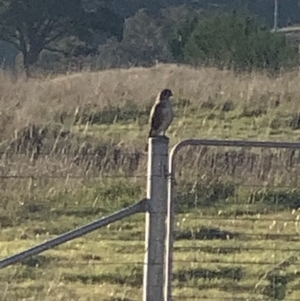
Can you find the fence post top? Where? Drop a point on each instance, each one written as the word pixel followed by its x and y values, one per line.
pixel 159 139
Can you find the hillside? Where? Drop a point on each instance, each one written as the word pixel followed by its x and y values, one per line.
pixel 108 110
pixel 72 151
pixel 221 103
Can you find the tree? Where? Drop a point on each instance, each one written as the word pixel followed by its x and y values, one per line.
pixel 143 38
pixel 231 40
pixel 35 25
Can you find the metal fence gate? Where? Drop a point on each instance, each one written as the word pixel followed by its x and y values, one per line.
pixel 222 221
pixel 235 230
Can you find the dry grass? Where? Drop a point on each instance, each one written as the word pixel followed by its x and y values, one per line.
pixel 39 100
pixel 237 211
pixel 107 112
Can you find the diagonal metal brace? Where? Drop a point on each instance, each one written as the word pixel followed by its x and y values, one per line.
pixel 126 212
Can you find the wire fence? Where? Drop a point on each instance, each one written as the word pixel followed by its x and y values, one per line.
pixel 67 176
pixel 104 265
pixel 237 232
pixel 84 165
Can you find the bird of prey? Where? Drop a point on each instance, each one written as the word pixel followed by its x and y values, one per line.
pixel 161 114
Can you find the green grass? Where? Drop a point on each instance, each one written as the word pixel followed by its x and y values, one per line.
pixel 220 251
pixel 236 209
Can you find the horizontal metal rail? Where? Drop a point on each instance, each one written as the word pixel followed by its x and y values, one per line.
pixel 231 143
pixel 136 208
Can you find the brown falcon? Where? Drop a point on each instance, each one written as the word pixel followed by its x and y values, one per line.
pixel 161 114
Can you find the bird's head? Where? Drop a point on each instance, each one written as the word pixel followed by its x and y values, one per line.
pixel 165 94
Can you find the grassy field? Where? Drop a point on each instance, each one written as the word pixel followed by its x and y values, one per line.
pixel 72 151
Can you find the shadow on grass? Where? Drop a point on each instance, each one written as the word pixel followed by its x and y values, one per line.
pixel 39 261
pixel 131 276
pixel 135 278
pixel 34 267
pixel 203 233
pixel 203 195
pixel 230 273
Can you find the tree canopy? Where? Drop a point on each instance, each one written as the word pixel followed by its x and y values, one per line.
pixel 34 25
pixel 236 40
